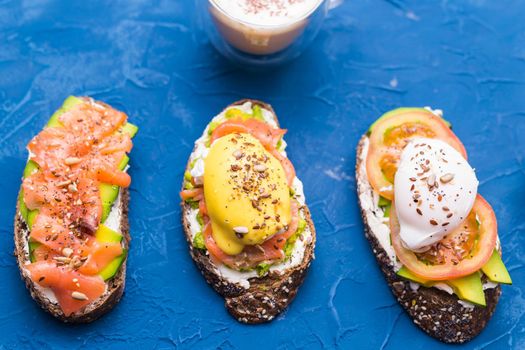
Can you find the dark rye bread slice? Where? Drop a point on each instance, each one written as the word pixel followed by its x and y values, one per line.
pixel 435 311
pixel 267 296
pixel 115 286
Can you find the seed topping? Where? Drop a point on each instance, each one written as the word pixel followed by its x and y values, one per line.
pixel 446 178
pixel 72 160
pixel 79 296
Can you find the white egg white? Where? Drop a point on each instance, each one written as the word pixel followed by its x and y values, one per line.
pixel 435 189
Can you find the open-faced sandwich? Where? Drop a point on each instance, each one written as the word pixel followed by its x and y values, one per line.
pixel 244 213
pixel 434 237
pixel 71 225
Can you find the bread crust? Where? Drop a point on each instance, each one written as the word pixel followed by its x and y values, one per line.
pixel 267 296
pixel 436 312
pixel 115 286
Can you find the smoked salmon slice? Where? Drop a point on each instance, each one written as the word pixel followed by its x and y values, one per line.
pixel 251 256
pixel 65 282
pixel 265 133
pixel 99 255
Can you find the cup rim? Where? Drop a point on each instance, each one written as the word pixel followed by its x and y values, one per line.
pixel 270 26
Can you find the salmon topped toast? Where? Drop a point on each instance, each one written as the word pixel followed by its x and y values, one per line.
pixel 244 213
pixel 71 226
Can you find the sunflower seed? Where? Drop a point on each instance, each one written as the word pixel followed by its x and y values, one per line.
pixel 238 154
pixel 72 187
pixel 67 252
pixel 72 160
pixel 446 178
pixel 241 229
pixel 259 168
pixel 63 183
pixel 79 296
pixel 431 180
pixel 62 259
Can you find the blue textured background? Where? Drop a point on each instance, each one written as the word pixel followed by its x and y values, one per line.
pixel 150 60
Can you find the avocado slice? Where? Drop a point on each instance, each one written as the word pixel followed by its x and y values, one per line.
pixel 403 110
pixel 31 216
pixel 69 103
pixel 30 169
pixel 468 288
pixel 495 269
pixel 105 234
pixel 237 113
pixel 32 246
pixel 109 193
pixel 385 204
pixel 124 162
pixel 257 112
pixel 405 273
pixel 28 215
pixel 130 129
pixel 212 126
pixel 22 205
pixel 113 267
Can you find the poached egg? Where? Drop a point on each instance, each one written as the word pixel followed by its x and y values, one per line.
pixel 435 189
pixel 247 196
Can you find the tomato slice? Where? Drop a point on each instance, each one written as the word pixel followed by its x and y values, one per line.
pixel 391 133
pixel 460 253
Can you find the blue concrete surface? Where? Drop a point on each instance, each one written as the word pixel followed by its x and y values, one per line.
pixel 152 60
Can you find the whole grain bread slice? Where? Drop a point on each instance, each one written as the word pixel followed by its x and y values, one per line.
pixel 115 286
pixel 436 312
pixel 266 296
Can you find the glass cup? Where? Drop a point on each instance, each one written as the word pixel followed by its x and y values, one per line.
pixel 261 45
